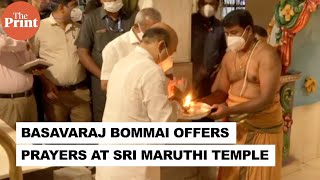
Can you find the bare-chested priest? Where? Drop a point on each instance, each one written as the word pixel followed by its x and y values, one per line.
pixel 247 91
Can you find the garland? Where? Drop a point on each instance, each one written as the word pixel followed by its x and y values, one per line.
pixel 287 13
pixel 291 16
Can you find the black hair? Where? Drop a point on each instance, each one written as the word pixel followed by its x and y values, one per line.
pixel 238 17
pixel 202 2
pixel 156 34
pixel 260 31
pixel 92 5
pixel 5 3
pixel 56 3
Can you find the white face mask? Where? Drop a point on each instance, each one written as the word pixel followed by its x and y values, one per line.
pixel 167 64
pixel 207 11
pixel 140 34
pixel 113 6
pixel 159 55
pixel 236 43
pixel 76 14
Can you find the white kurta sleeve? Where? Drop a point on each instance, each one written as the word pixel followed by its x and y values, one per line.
pixel 110 57
pixel 155 96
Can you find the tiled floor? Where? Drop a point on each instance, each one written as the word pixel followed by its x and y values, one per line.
pixel 308 171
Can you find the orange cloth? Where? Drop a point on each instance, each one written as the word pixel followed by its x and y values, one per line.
pixel 260 128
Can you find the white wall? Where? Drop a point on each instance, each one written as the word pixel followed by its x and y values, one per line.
pixel 262 11
pixel 177 14
pixel 305 134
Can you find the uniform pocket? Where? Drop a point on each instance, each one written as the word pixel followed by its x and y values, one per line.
pixel 83 94
pixel 101 40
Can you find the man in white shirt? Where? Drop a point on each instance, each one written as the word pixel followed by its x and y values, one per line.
pixel 66 94
pixel 126 43
pixel 137 92
pixel 17 101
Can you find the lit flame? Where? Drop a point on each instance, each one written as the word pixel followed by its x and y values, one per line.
pixel 187 101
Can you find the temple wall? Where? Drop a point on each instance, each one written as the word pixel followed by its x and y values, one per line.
pixel 305 137
pixel 262 11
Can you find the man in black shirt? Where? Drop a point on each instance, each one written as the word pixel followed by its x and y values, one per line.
pixel 99 27
pixel 208 46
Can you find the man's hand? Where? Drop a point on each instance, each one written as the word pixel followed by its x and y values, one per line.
pixel 181 84
pixel 221 111
pixel 50 91
pixel 104 85
pixel 87 61
pixel 37 72
pixel 177 85
pixel 177 89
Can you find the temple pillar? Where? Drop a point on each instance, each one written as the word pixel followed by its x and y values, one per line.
pixel 287 98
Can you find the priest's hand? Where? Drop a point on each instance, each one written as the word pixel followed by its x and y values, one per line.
pixel 219 111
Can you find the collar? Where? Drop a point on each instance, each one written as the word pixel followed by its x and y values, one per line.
pixel 102 12
pixel 53 22
pixel 144 52
pixel 133 38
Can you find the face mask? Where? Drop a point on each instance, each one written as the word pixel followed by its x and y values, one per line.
pixel 140 34
pixel 236 43
pixel 76 14
pixel 167 64
pixel 113 6
pixel 159 55
pixel 207 11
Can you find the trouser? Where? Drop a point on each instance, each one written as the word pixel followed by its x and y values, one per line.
pixel 37 86
pixel 22 109
pixel 73 105
pixel 98 99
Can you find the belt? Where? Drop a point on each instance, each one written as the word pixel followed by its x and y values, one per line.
pixel 17 95
pixel 80 85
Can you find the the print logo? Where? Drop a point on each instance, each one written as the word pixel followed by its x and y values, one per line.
pixel 20 20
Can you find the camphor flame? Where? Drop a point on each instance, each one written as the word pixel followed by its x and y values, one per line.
pixel 187 101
